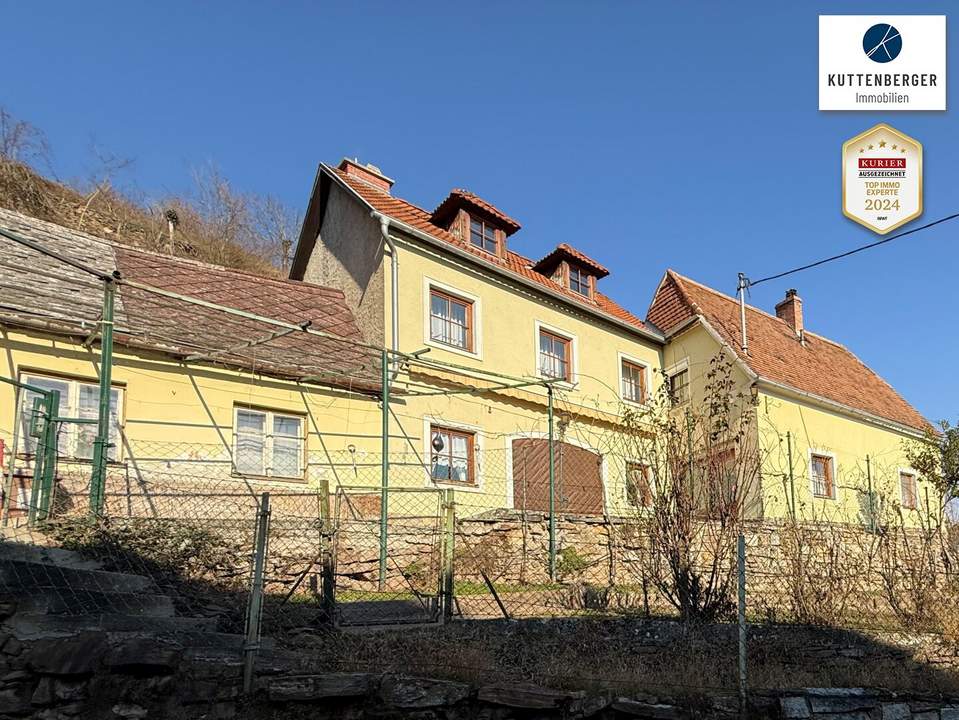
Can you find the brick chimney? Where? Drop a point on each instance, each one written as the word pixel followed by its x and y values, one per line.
pixel 790 310
pixel 367 173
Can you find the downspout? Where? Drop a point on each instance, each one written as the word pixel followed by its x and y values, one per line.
pixel 394 280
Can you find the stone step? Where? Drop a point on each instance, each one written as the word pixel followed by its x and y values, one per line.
pixel 23 575
pixel 27 552
pixel 69 601
pixel 35 624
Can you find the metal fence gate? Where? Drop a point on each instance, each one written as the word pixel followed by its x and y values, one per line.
pixel 392 565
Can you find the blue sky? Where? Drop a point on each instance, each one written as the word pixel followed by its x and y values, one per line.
pixel 650 135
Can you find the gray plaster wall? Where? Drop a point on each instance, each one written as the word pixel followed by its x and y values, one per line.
pixel 349 255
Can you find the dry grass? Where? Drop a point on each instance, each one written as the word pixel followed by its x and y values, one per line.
pixel 633 656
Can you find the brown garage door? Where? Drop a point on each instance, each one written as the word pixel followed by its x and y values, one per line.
pixel 579 479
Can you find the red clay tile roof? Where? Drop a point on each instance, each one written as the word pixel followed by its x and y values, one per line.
pixel 459 197
pixel 819 367
pixel 420 219
pixel 563 250
pixel 184 328
pixel 67 301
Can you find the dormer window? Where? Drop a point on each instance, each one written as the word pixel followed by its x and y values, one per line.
pixel 473 220
pixel 483 235
pixel 578 281
pixel 568 267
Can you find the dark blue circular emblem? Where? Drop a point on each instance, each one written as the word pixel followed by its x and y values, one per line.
pixel 882 43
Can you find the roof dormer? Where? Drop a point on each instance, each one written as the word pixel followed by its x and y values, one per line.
pixel 572 269
pixel 475 221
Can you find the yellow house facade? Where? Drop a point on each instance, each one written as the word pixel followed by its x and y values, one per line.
pixel 238 383
pixel 847 430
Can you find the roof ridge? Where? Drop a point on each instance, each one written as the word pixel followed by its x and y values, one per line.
pixel 808 333
pixel 114 245
pixel 387 194
pixel 83 233
pixel 223 268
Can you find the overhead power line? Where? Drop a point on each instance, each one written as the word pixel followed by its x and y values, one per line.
pixel 751 283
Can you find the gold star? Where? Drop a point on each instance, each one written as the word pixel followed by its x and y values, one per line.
pixel 870 147
pixel 862 150
pixel 894 147
pixel 903 150
pixel 882 143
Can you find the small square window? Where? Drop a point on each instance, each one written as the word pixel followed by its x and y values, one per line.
pixel 483 235
pixel 578 281
pixel 822 471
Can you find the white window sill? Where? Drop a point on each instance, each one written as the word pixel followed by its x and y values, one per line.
pixel 452 348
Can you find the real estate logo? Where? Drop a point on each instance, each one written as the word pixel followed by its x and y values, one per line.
pixel 872 62
pixel 882 179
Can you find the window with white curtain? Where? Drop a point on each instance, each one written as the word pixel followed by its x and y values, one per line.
pixel 77 400
pixel 268 443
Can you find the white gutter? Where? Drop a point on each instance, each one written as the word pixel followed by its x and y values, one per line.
pixel 394 280
pixel 436 242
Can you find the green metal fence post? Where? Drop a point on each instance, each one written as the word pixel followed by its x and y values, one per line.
pixel 50 453
pixel 385 466
pixel 552 488
pixel 792 480
pixel 326 553
pixel 101 444
pixel 449 535
pixel 254 609
pixel 39 454
pixel 741 617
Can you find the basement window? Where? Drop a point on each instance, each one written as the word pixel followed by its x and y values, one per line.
pixel 268 444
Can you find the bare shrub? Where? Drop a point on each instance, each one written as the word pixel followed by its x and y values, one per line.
pixel 704 462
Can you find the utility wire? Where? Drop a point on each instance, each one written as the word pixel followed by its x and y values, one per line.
pixel 751 283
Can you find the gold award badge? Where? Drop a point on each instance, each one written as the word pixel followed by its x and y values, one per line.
pixel 882 179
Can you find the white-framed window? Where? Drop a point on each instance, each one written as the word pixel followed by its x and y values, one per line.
pixel 268 443
pixel 452 458
pixel 822 474
pixel 555 353
pixel 633 376
pixel 451 319
pixel 78 399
